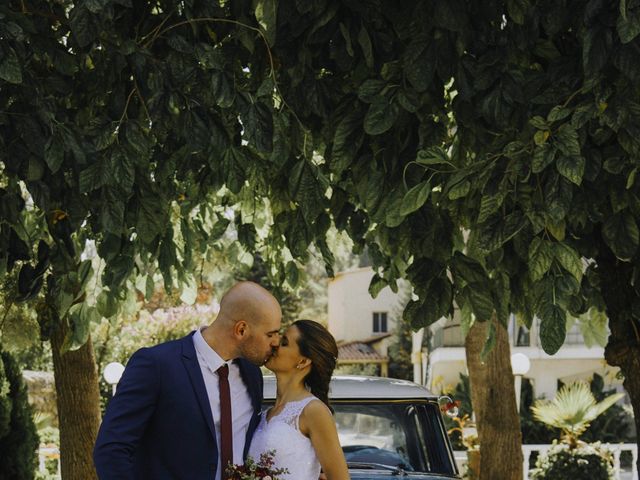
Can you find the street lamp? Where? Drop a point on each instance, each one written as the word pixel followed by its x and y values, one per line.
pixel 113 373
pixel 520 365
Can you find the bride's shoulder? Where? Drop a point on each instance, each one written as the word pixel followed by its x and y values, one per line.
pixel 314 415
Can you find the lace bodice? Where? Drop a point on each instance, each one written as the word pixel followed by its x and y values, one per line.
pixel 293 450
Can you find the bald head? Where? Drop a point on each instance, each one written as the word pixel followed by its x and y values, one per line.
pixel 247 325
pixel 249 302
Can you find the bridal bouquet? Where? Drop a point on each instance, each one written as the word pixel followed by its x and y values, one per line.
pixel 264 469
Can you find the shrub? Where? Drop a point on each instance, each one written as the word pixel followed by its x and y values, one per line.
pixel 585 462
pixel 19 442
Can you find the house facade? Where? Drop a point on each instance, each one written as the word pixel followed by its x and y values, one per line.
pixel 574 361
pixel 363 324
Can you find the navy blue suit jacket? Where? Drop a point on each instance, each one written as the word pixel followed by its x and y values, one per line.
pixel 159 424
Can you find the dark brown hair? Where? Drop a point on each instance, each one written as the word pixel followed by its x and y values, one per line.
pixel 317 344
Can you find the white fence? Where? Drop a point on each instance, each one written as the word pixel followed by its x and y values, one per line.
pixel 527 450
pixel 46 452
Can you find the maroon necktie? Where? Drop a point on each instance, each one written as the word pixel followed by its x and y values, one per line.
pixel 226 435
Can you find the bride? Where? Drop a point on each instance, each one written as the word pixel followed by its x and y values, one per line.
pixel 300 426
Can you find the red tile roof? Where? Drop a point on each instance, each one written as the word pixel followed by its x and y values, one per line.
pixel 358 351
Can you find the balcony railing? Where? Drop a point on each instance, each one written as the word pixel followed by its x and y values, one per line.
pixel 451 336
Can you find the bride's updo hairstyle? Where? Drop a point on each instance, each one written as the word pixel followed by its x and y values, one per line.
pixel 317 344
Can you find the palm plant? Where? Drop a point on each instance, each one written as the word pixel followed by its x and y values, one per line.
pixel 572 410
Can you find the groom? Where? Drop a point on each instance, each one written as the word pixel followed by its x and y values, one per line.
pixel 172 417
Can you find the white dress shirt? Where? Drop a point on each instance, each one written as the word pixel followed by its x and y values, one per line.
pixel 241 407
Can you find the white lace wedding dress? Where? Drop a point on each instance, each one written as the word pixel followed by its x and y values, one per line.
pixel 293 450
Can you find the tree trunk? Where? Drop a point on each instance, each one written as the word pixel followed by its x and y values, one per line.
pixel 494 404
pixel 78 406
pixel 623 346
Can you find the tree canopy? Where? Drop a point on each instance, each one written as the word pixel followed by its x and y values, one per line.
pixel 485 151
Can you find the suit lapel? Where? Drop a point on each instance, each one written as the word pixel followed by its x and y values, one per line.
pixel 190 360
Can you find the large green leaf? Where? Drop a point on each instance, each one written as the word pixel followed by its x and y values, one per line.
pixel 489 204
pixel 381 116
pixel 567 141
pixel 266 14
pixel 257 125
pixel 438 301
pixel 370 89
pixel 107 304
pixel 552 327
pixel 10 70
pixel 628 26
pixel 54 153
pixel 152 219
pixel 468 270
pixel 292 274
pixel 112 211
pixel 620 232
pixel 540 258
pixel 517 10
pixel 80 318
pixel 415 198
pixel 481 301
pixel 572 168
pixel 459 190
pixel 376 285
pixel 92 177
pixel 219 228
pixel 542 157
pixel 419 63
pixel 432 156
pixel 365 44
pixel 569 259
pixel 82 27
pixel 122 172
pixel 303 186
pixel 344 149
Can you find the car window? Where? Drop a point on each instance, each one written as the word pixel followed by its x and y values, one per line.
pixel 398 434
pixel 374 434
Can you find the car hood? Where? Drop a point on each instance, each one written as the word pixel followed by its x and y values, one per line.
pixel 388 475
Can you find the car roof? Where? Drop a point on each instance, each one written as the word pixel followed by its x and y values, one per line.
pixel 360 386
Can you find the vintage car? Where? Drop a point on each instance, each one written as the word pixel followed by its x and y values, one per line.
pixel 387 428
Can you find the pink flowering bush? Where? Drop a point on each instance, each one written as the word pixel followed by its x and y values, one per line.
pixel 116 343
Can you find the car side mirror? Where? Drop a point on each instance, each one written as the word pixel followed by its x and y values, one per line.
pixel 448 406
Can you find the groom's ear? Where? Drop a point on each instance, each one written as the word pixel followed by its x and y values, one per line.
pixel 241 328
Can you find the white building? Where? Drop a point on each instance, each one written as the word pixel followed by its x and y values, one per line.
pixel 361 324
pixel 573 361
pixel 353 314
pixel 358 321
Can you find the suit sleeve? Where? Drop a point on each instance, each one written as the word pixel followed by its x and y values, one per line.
pixel 126 418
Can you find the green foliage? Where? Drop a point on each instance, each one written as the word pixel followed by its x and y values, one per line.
pixel 400 345
pixel 18 437
pixel 615 425
pixel 587 462
pixel 504 130
pixel 572 410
